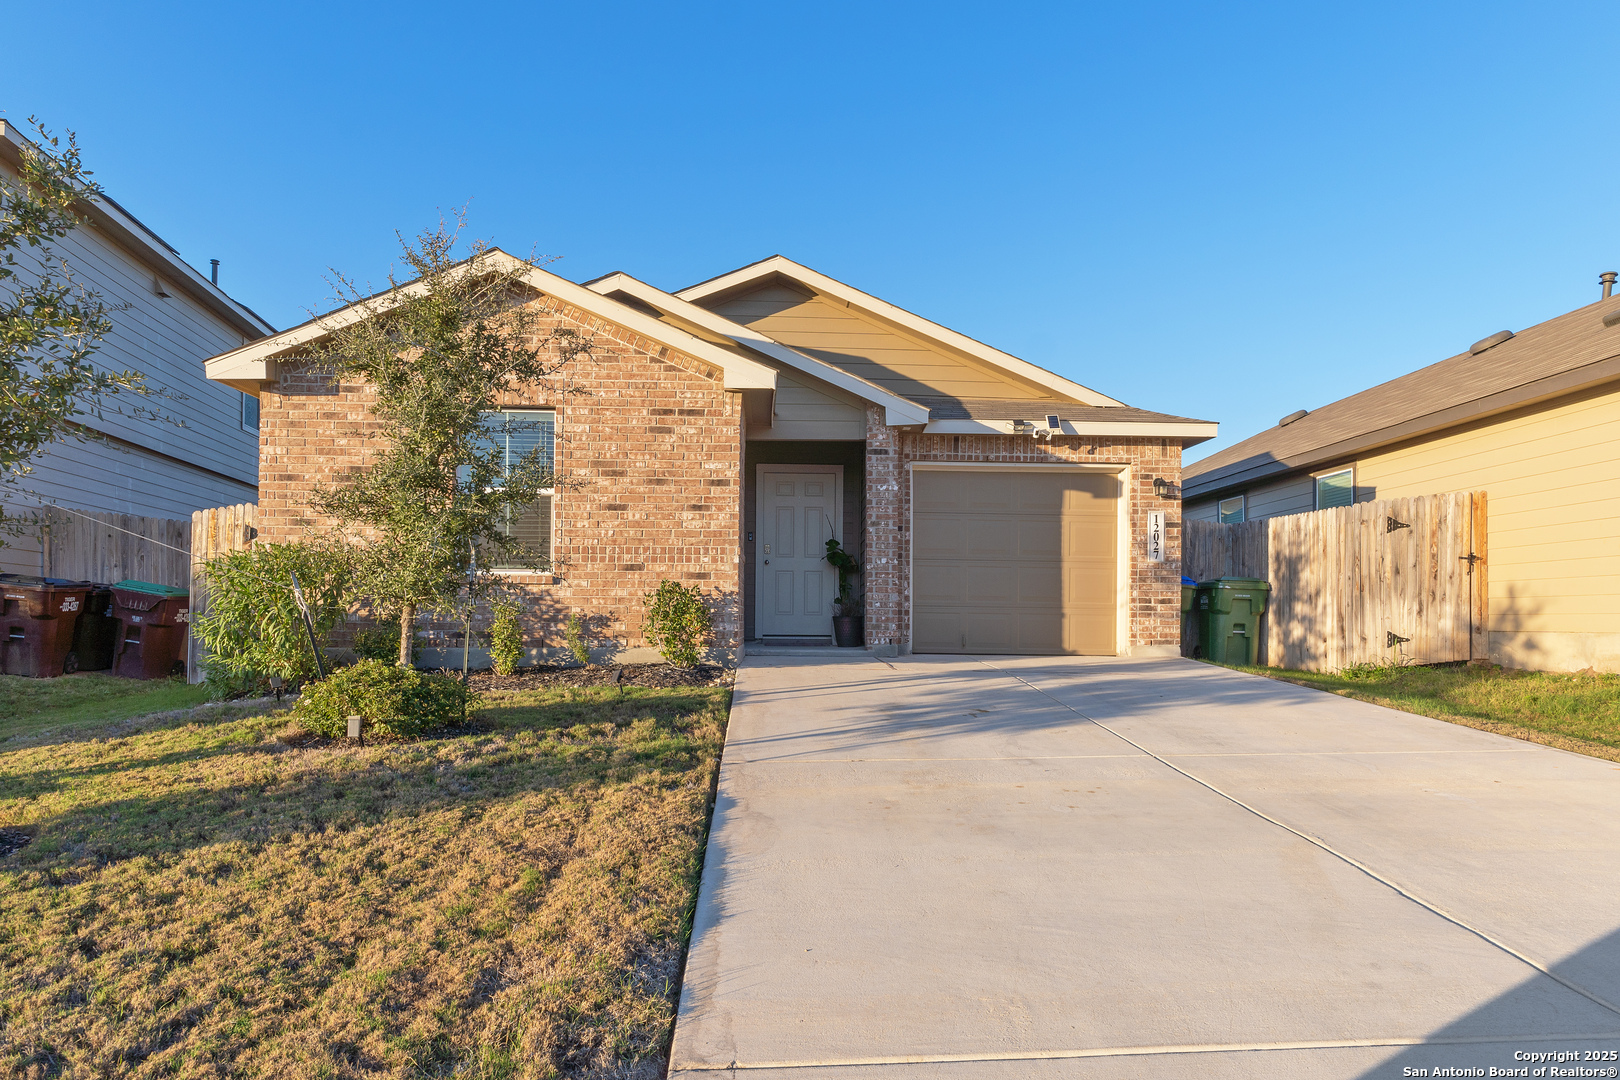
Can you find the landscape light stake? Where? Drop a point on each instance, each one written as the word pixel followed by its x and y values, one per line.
pixel 309 625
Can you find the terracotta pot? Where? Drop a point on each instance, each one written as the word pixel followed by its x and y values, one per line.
pixel 849 631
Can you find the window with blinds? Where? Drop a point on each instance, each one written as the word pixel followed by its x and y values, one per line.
pixel 518 433
pixel 1336 489
pixel 1231 510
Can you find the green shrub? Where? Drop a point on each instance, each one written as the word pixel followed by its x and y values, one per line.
pixel 505 638
pixel 574 634
pixel 377 642
pixel 677 622
pixel 393 701
pixel 253 627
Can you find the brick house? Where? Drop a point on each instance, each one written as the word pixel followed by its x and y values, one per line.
pixel 720 435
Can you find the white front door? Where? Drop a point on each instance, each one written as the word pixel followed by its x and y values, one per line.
pixel 797 513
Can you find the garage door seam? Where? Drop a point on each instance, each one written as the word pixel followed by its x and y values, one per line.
pixel 1323 845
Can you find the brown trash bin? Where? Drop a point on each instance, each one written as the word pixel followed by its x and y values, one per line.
pixel 37 623
pixel 152 622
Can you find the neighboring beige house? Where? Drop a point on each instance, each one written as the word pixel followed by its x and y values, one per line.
pixel 722 434
pixel 1532 419
pixel 167 319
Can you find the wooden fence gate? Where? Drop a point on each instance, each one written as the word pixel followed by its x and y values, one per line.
pixel 1397 579
pixel 213 532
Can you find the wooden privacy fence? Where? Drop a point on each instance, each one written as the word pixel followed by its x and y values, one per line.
pixel 213 532
pixel 1397 579
pixel 87 546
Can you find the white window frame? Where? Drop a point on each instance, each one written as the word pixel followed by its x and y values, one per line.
pixel 549 493
pixel 1316 484
pixel 242 414
pixel 1243 510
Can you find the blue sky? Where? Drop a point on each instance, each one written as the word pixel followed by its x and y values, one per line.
pixel 1227 211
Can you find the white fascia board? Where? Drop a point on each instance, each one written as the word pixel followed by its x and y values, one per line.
pixel 854 297
pixel 898 411
pixel 1154 429
pixel 740 373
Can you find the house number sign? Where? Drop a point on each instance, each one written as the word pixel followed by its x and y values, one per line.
pixel 1155 537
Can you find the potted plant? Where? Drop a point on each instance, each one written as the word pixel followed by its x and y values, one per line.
pixel 849 625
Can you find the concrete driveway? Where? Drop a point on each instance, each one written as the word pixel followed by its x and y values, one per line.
pixel 1066 867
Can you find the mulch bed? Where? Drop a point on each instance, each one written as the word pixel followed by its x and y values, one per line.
pixel 658 676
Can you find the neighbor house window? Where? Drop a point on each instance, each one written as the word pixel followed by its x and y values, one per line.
pixel 1232 510
pixel 250 413
pixel 1336 488
pixel 517 434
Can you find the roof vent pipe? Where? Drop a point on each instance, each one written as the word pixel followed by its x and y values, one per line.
pixel 1291 417
pixel 215 264
pixel 1607 278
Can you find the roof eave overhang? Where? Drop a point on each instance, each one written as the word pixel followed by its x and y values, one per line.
pixel 256 360
pixel 824 285
pixel 136 238
pixel 898 411
pixel 1533 393
pixel 1187 433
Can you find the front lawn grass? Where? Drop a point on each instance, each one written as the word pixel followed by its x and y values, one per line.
pixel 1579 712
pixel 233 899
pixel 28 706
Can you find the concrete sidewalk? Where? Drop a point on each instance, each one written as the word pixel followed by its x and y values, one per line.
pixel 1121 868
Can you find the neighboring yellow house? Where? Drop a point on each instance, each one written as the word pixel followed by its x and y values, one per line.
pixel 1532 419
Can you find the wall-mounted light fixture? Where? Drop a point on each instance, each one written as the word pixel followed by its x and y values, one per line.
pixel 1163 488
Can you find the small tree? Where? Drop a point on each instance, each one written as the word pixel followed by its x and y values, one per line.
pixel 50 323
pixel 847 567
pixel 677 622
pixel 441 353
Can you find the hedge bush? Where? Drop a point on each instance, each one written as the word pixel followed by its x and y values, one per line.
pixel 677 622
pixel 253 628
pixel 505 638
pixel 393 701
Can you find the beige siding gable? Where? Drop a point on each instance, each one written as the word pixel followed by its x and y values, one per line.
pixel 866 347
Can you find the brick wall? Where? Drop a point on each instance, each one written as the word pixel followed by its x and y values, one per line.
pixel 1155 588
pixel 649 445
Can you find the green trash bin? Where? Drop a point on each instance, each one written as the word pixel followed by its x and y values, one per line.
pixel 1229 611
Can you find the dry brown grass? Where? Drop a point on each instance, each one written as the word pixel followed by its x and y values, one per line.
pixel 208 899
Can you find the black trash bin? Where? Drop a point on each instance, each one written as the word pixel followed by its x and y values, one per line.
pixel 152 622
pixel 96 636
pixel 37 624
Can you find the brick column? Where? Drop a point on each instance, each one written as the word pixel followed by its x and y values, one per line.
pixel 884 576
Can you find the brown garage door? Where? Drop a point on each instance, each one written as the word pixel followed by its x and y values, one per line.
pixel 1014 561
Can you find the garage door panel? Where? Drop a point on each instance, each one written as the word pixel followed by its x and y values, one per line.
pixel 1040 538
pixel 1019 562
pixel 991 538
pixel 937 632
pixel 934 585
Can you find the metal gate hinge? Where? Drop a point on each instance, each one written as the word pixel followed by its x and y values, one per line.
pixel 1390 525
pixel 1392 639
pixel 1471 559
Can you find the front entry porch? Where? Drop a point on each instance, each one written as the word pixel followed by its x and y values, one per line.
pixel 796 495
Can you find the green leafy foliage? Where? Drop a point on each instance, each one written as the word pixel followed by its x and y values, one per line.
pixel 50 324
pixel 440 357
pixel 377 642
pixel 392 701
pixel 253 626
pixel 574 635
pixel 845 564
pixel 677 622
pixel 505 638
